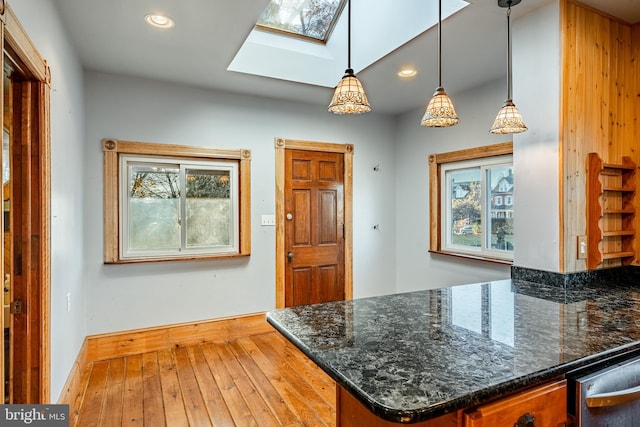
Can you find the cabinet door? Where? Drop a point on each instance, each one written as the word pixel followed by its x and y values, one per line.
pixel 351 413
pixel 546 405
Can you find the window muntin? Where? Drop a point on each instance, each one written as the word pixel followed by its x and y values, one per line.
pixel 476 220
pixel 175 208
pixel 312 19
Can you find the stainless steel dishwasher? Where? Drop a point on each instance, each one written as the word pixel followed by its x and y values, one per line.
pixel 609 396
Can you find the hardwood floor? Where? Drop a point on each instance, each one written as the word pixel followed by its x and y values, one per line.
pixel 259 380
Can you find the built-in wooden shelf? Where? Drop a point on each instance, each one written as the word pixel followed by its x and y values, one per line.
pixel 618 233
pixel 610 195
pixel 619 211
pixel 618 166
pixel 614 255
pixel 619 189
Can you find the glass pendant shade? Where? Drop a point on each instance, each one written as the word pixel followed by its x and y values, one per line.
pixel 508 120
pixel 440 112
pixel 349 96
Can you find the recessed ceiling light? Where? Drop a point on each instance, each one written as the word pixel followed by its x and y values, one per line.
pixel 407 72
pixel 160 21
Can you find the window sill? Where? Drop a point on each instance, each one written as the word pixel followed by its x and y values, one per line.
pixel 184 258
pixel 474 257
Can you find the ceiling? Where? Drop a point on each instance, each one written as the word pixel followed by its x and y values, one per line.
pixel 111 36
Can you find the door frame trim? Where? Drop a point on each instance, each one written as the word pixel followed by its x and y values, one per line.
pixel 282 144
pixel 17 44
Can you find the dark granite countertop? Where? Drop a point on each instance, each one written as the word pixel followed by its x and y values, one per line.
pixel 414 356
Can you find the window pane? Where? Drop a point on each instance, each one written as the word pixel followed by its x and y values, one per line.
pixel 501 212
pixel 154 206
pixel 308 18
pixel 465 187
pixel 208 208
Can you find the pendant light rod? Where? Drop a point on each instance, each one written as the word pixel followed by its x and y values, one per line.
pixel 439 43
pixel 509 89
pixel 508 4
pixel 349 35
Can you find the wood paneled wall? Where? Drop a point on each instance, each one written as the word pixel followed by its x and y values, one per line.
pixel 599 108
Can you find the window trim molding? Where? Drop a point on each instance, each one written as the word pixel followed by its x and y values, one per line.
pixel 113 148
pixel 435 192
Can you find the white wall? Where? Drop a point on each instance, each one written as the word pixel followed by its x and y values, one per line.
pixel 416 268
pixel 68 329
pixel 123 297
pixel 536 72
pixel 536 92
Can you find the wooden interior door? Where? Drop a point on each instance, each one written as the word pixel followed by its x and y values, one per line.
pixel 314 227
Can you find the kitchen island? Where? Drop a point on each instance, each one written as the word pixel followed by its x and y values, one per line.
pixel 418 356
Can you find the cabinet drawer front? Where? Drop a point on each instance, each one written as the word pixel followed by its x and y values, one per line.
pixel 547 404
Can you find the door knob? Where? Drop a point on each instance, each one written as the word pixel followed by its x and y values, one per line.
pixel 290 256
pixel 526 420
pixel 289 217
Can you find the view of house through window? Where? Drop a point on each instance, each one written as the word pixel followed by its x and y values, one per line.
pixel 471 202
pixel 313 19
pixel 478 206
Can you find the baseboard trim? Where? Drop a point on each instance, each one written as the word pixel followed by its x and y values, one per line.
pixel 73 389
pixel 126 343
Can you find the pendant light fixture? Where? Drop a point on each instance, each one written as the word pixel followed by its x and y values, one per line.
pixel 509 119
pixel 440 111
pixel 349 96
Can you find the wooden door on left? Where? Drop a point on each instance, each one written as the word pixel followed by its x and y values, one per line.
pixel 26 262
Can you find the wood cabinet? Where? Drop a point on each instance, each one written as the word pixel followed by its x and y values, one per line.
pixel 611 190
pixel 543 406
pixel 351 413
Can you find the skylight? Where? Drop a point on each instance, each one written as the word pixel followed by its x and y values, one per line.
pixel 309 19
pixel 376 31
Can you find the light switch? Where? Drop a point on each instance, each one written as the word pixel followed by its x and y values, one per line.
pixel 582 247
pixel 268 220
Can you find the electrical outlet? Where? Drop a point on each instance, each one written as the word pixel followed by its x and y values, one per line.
pixel 268 220
pixel 582 247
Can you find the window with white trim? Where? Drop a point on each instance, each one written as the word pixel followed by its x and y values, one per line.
pixel 472 203
pixel 174 202
pixel 171 207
